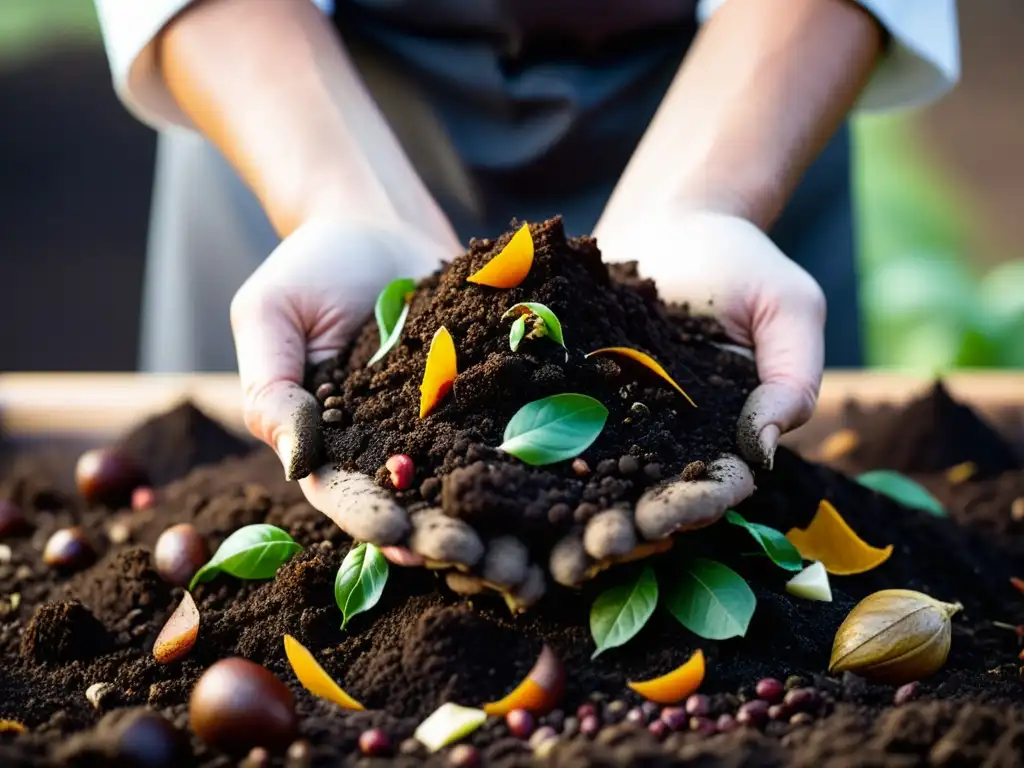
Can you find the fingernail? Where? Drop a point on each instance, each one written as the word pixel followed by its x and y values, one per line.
pixel 285 446
pixel 403 557
pixel 769 440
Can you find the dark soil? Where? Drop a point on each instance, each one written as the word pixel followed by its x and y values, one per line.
pixel 455 443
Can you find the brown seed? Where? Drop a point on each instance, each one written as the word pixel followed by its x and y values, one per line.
pixel 325 390
pixel 580 467
pixel 1017 509
pixel 333 416
pixel 180 551
pixel 725 723
pixel 778 712
pixel 770 689
pixel 145 738
pixel 658 728
pixel 179 633
pixel 334 402
pixel 69 548
pixel 520 723
pixel 105 476
pixel 12 520
pixel 800 698
pixel 238 705
pixel 753 713
pixel 695 470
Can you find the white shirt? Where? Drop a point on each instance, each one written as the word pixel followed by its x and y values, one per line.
pixel 922 62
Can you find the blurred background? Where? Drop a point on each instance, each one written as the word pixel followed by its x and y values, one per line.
pixel 940 202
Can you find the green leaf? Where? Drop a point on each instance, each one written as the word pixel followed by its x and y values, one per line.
pixel 774 542
pixel 621 612
pixel 252 552
pixel 554 428
pixel 712 601
pixel 396 334
pixel 901 488
pixel 552 324
pixel 360 581
pixel 390 303
pixel 516 333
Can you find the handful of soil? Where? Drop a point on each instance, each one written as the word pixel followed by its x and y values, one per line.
pixel 652 433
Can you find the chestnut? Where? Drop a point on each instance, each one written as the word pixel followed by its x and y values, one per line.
pixel 107 476
pixel 179 552
pixel 12 520
pixel 69 548
pixel 238 705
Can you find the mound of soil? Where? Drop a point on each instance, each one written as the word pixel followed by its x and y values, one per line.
pixel 651 432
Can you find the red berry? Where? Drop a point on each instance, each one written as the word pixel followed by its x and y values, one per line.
pixel 753 713
pixel 725 723
pixel 675 718
pixel 12 519
pixel 658 728
pixel 402 471
pixel 770 689
pixel 464 756
pixel 703 725
pixel 589 726
pixel 374 743
pixel 143 497
pixel 520 723
pixel 698 705
pixel 585 711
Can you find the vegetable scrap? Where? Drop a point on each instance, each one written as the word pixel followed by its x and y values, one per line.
pixel 543 323
pixel 449 723
pixel 179 634
pixel 645 360
pixel 539 692
pixel 831 541
pixel 676 685
pixel 511 266
pixel 440 372
pixel 391 311
pixel 811 584
pixel 313 677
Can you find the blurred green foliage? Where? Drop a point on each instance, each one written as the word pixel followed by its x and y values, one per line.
pixel 926 307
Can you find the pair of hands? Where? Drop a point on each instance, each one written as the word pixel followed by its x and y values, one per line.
pixel 307 299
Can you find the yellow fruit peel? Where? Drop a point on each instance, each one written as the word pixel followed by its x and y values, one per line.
pixel 440 372
pixel 313 677
pixel 539 692
pixel 830 540
pixel 676 685
pixel 647 362
pixel 511 266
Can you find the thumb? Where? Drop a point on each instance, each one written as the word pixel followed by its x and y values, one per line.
pixel 789 346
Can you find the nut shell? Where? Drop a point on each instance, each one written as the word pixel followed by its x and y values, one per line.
pixel 894 636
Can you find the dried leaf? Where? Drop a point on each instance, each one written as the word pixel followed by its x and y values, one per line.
pixel 645 360
pixel 440 372
pixel 676 685
pixel 510 267
pixel 179 633
pixel 313 677
pixel 829 539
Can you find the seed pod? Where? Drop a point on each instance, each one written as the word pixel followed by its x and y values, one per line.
pixel 894 636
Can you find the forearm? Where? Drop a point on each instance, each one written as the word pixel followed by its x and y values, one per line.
pixel 760 93
pixel 268 82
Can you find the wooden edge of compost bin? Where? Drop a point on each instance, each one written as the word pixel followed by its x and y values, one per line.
pixel 101 406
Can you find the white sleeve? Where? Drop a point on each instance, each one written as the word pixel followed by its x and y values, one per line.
pixel 923 58
pixel 129 29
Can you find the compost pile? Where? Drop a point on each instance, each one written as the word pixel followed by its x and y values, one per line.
pixel 64 630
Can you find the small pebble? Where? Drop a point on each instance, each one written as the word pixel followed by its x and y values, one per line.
pixel 794 681
pixel 12 520
pixel 698 705
pixel 635 716
pixel 325 390
pixel 545 748
pixel 299 755
pixel 333 416
pixel 570 727
pixel 703 725
pixel 905 693
pixel 695 470
pixel 675 718
pixel 334 402
pixel 589 726
pixel 520 723
pixel 541 735
pixel 580 467
pixel 800 698
pixel 615 711
pixel 629 465
pixel 652 471
pixel 258 757
pixel 143 497
pixel 770 689
pixel 69 548
pixel 607 467
pixel 586 710
pixel 801 718
pixel 464 756
pixel 374 743
pixel 560 514
pixel 96 692
pixel 145 738
pixel 778 712
pixel 753 713
pixel 402 470
pixel 658 728
pixel 1017 509
pixel 119 532
pixel 650 710
pixel 725 723
pixel 584 512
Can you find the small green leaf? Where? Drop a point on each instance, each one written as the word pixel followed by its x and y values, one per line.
pixel 390 303
pixel 554 428
pixel 552 324
pixel 712 601
pixel 396 334
pixel 620 613
pixel 360 581
pixel 252 552
pixel 901 488
pixel 775 544
pixel 516 333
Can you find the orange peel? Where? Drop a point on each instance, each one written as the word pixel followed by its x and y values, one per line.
pixel 11 726
pixel 313 677
pixel 832 541
pixel 511 266
pixel 676 685
pixel 440 372
pixel 539 692
pixel 647 362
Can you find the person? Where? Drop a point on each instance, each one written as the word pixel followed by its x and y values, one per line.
pixel 360 140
